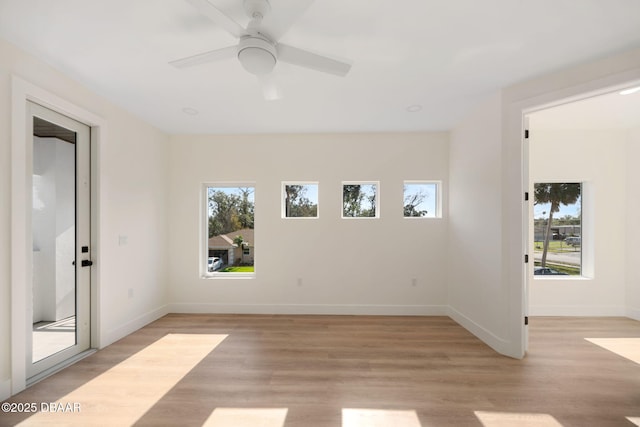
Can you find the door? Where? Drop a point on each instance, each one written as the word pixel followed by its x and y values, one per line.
pixel 59 307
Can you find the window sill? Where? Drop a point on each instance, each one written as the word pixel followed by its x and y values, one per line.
pixel 424 218
pixel 232 276
pixel 561 278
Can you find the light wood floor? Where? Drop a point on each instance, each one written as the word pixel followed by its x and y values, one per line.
pixel 349 371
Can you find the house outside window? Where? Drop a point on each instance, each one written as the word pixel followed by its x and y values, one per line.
pixel 230 219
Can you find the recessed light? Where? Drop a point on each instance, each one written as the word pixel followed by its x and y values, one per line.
pixel 630 90
pixel 414 108
pixel 190 111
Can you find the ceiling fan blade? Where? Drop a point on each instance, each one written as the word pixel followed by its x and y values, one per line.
pixel 306 59
pixel 218 17
pixel 270 89
pixel 284 13
pixel 203 58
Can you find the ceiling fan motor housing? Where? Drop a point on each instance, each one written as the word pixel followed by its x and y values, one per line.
pixel 257 55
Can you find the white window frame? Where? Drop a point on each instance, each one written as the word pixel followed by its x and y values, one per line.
pixel 377 185
pixel 586 228
pixel 284 199
pixel 438 210
pixel 204 230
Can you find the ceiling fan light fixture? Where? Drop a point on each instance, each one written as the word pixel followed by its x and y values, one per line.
pixel 257 55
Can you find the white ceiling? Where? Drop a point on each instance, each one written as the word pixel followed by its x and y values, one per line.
pixel 445 56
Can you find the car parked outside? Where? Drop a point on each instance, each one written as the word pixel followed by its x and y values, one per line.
pixel 547 271
pixel 573 241
pixel 214 264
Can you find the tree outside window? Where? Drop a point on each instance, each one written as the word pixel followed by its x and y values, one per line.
pixel 300 200
pixel 557 229
pixel 420 199
pixel 230 229
pixel 360 200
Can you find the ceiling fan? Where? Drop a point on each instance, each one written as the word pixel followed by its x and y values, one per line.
pixel 258 49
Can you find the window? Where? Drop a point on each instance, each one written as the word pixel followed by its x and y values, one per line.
pixel 557 223
pixel 230 244
pixel 360 200
pixel 421 199
pixel 300 200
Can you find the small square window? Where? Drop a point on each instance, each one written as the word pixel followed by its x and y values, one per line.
pixel 300 200
pixel 360 200
pixel 421 199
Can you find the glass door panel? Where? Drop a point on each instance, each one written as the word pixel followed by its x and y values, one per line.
pixel 60 228
pixel 54 239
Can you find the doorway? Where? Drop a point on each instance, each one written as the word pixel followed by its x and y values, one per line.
pixel 59 326
pixel 590 142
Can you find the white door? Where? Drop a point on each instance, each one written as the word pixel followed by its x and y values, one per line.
pixel 59 303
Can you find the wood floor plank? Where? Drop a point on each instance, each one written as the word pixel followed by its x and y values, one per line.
pixel 312 370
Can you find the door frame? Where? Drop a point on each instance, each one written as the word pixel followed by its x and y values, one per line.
pixel 515 113
pixel 81 237
pixel 21 245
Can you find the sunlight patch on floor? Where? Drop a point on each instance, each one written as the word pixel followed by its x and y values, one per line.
pixel 634 420
pixel 125 392
pixel 628 348
pixel 247 417
pixel 52 337
pixel 510 419
pixel 379 418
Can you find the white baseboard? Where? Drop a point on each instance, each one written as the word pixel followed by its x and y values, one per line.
pixel 122 331
pixel 495 342
pixel 5 389
pixel 633 313
pixel 577 311
pixel 339 309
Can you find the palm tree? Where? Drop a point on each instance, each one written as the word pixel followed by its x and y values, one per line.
pixel 240 243
pixel 555 194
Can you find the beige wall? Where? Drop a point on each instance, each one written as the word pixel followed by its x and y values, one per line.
pixel 633 224
pixel 132 171
pixel 324 265
pixel 475 284
pixel 598 159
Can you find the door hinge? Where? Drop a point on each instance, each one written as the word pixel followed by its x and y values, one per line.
pixel 526 320
pixel 526 134
pixel 526 258
pixel 526 196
